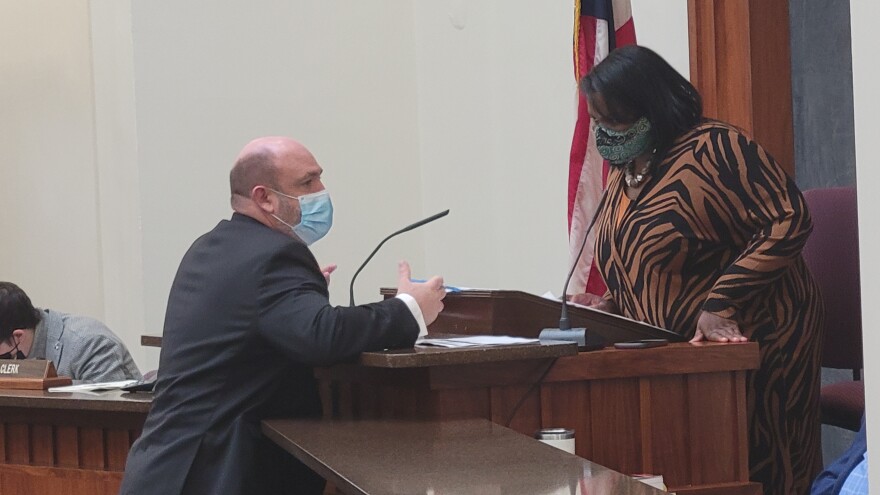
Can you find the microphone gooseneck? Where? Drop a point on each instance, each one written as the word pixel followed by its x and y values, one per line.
pixel 586 341
pixel 401 231
pixel 564 324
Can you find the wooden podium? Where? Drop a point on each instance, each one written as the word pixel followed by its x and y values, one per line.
pixel 679 410
pixel 511 312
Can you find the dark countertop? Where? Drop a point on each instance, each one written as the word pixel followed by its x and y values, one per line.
pixel 108 401
pixel 441 457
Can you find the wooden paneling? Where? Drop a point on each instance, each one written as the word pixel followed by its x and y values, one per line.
pixel 615 430
pixel 610 363
pixel 117 445
pixel 91 448
pixel 42 445
pixel 670 433
pixel 33 480
pixel 771 79
pixel 567 405
pixel 457 404
pixel 41 458
pixel 488 374
pixel 740 62
pixel 517 407
pixel 18 444
pixel 67 446
pixel 708 461
pixel 742 425
pixel 646 426
pixel 366 401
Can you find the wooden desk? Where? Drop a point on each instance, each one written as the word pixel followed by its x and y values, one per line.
pixel 151 340
pixel 442 457
pixel 679 410
pixel 61 443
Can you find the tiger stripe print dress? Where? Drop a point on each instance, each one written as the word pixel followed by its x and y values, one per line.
pixel 719 227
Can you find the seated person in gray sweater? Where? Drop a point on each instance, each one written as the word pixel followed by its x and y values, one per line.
pixel 80 347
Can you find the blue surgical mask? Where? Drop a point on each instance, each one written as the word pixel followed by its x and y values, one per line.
pixel 317 216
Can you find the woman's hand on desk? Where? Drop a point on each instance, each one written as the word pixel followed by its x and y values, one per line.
pixel 714 328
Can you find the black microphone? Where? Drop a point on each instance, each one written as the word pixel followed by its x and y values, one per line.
pixel 564 332
pixel 401 231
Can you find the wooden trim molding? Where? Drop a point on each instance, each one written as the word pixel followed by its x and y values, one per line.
pixel 740 61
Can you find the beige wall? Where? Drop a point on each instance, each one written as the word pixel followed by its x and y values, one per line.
pixel 866 79
pixel 496 107
pixel 48 184
pixel 207 80
pixel 122 122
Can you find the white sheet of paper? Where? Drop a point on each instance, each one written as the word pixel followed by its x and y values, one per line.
pixel 475 340
pixel 91 387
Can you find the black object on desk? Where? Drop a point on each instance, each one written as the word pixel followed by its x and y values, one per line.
pixel 144 385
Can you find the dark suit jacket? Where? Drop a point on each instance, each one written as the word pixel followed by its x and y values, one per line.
pixel 248 315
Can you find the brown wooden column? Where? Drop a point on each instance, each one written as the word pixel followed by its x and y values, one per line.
pixel 741 63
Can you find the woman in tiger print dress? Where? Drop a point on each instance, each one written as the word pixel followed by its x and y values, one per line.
pixel 700 232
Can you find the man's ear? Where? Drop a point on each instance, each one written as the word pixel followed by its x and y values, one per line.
pixel 18 334
pixel 261 197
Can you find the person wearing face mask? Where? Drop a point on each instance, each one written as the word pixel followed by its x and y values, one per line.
pixel 80 347
pixel 700 232
pixel 248 317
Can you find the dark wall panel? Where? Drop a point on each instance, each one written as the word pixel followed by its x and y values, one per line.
pixel 821 78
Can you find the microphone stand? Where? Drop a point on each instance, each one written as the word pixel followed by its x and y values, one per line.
pixel 401 231
pixel 585 341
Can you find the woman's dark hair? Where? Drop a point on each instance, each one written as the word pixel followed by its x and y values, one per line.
pixel 635 82
pixel 16 310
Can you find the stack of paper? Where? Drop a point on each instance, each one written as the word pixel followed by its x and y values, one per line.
pixel 476 340
pixel 93 387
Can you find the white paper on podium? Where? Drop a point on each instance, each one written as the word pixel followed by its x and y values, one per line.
pixel 475 340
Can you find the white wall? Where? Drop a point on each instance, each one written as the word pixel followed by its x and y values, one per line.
pixel 116 168
pixel 411 108
pixel 496 111
pixel 663 27
pixel 48 183
pixel 866 79
pixel 213 75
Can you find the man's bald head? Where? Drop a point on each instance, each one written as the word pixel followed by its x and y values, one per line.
pixel 257 164
pixel 277 164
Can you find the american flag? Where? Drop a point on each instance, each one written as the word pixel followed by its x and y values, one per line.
pixel 599 27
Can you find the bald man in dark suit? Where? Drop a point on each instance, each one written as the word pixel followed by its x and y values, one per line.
pixel 248 316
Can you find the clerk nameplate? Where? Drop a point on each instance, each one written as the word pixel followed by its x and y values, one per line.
pixel 26 368
pixel 30 374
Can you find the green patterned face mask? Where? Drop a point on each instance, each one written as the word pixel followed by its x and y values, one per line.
pixel 621 147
